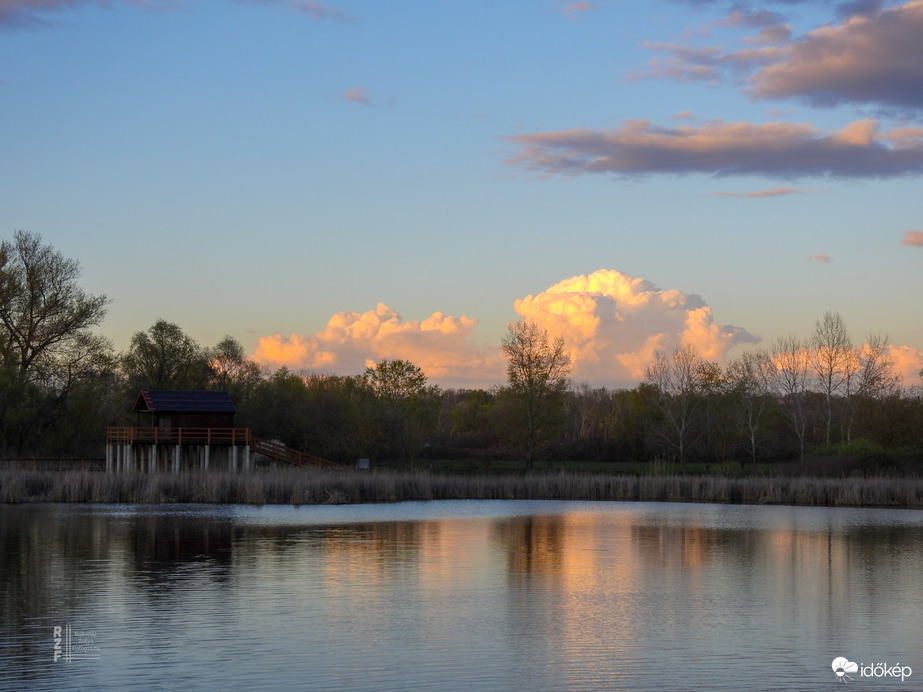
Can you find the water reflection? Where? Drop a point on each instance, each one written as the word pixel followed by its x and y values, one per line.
pixel 458 596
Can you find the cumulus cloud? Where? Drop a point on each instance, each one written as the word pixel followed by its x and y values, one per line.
pixel 612 324
pixel 914 238
pixel 908 363
pixel 821 257
pixel 872 58
pixel 789 150
pixel 440 345
pixel 774 192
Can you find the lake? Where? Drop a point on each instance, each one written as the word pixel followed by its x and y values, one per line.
pixel 459 595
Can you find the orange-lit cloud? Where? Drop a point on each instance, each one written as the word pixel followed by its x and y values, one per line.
pixel 351 341
pixel 908 363
pixel 821 257
pixel 914 238
pixel 774 192
pixel 357 94
pixel 612 324
pixel 775 149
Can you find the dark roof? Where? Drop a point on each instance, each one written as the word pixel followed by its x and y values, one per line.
pixel 184 401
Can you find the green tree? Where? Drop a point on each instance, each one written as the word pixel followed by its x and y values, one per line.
pixel 537 370
pixel 165 357
pixel 406 403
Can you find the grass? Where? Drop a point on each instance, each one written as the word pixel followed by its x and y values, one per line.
pixel 308 486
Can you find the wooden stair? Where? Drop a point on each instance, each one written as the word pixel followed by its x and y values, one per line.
pixel 279 452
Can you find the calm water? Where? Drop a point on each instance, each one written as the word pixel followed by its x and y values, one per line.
pixel 458 596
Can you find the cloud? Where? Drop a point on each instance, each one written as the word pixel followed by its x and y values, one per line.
pixel 908 363
pixel 357 94
pixel 872 58
pixel 439 345
pixel 774 149
pixel 612 324
pixel 572 9
pixel 821 257
pixel 914 238
pixel 775 192
pixel 26 14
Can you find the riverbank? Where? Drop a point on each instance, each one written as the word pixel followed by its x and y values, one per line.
pixel 305 487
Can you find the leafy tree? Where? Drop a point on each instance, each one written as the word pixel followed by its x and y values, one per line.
pixel 405 402
pixel 537 369
pixel 165 357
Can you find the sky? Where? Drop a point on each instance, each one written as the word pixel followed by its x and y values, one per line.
pixel 337 183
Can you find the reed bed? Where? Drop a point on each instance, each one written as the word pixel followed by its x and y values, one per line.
pixel 305 487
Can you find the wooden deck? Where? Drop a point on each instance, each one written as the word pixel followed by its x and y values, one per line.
pixel 195 447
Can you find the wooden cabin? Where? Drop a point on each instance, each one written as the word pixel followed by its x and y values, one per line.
pixel 177 430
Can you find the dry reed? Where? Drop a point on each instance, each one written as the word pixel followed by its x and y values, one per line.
pixel 308 486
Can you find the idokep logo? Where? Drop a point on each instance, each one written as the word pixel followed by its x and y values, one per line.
pixel 843 666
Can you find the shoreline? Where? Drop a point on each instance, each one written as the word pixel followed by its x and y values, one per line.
pixel 315 487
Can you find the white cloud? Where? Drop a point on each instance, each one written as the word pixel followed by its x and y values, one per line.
pixel 612 324
pixel 439 345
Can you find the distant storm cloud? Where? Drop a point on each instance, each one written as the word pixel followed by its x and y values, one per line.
pixel 777 149
pixel 914 238
pixel 613 323
pixel 440 345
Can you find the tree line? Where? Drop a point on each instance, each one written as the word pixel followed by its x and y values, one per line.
pixel 62 385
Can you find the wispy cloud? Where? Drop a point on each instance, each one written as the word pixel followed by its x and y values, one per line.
pixel 914 238
pixel 576 8
pixel 26 14
pixel 776 149
pixel 775 192
pixel 357 94
pixel 821 257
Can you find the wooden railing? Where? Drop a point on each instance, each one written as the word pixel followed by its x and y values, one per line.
pixel 177 436
pixel 279 452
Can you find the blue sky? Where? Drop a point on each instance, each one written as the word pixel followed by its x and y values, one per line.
pixel 336 183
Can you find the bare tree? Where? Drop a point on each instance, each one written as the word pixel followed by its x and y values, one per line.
pixel 537 370
pixel 43 313
pixel 748 381
pixel 787 378
pixel 833 360
pixel 678 380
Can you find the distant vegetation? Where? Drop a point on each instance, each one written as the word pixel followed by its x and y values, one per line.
pixel 818 405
